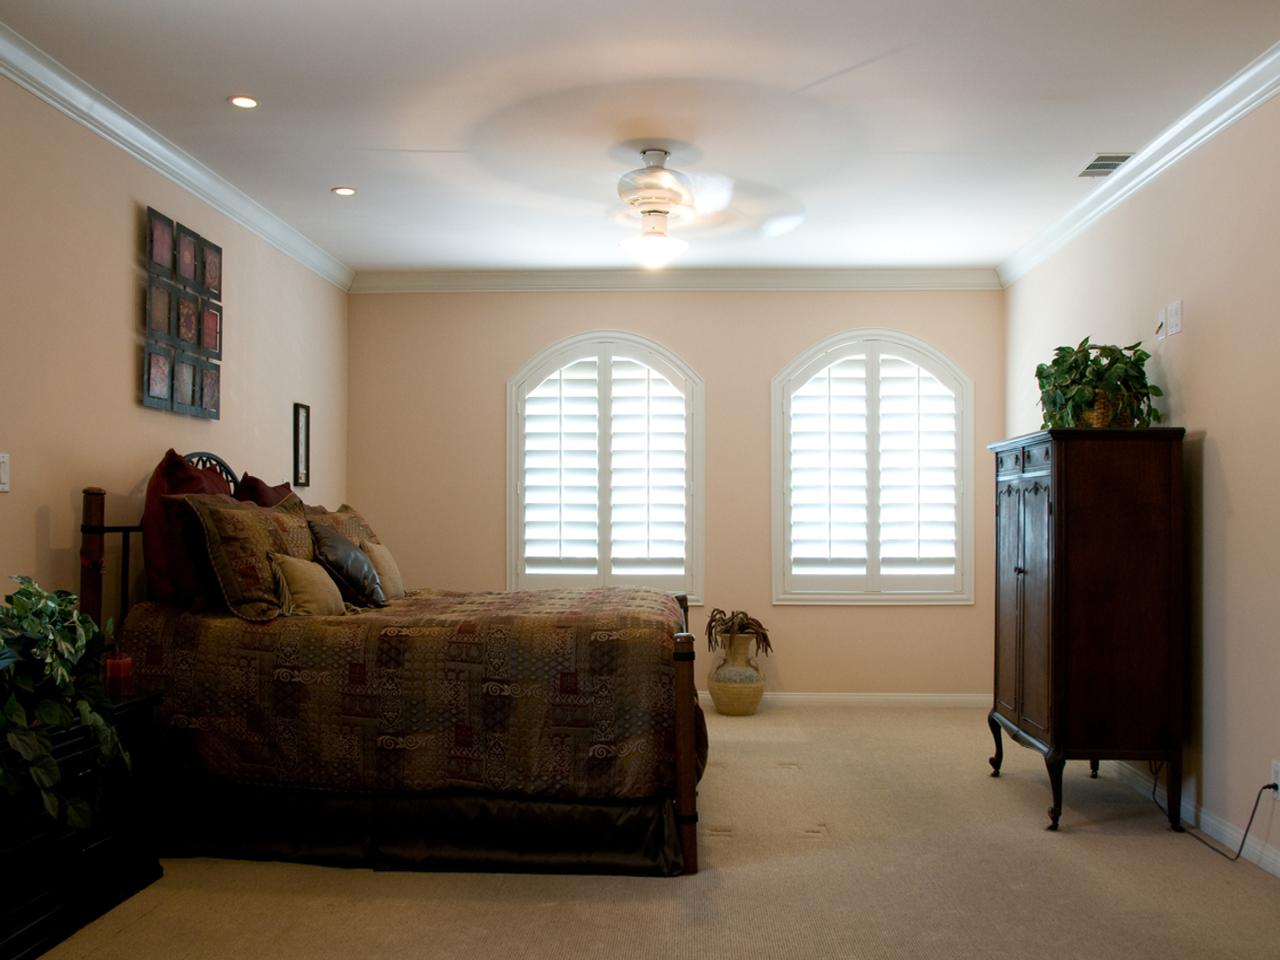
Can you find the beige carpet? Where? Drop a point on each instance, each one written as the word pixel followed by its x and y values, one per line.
pixel 826 832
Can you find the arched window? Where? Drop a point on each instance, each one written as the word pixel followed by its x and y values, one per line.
pixel 605 467
pixel 872 474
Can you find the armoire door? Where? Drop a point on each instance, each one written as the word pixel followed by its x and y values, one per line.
pixel 1037 661
pixel 1007 558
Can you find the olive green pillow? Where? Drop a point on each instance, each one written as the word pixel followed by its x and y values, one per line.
pixel 388 571
pixel 241 537
pixel 305 589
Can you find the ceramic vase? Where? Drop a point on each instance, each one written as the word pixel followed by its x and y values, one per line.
pixel 736 683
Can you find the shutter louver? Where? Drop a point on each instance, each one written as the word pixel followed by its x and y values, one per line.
pixel 561 472
pixel 917 454
pixel 647 471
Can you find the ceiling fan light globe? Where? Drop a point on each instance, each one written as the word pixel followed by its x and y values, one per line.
pixel 653 251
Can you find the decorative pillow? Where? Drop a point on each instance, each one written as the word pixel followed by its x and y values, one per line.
pixel 349 566
pixel 388 571
pixel 240 538
pixel 194 584
pixel 305 589
pixel 166 550
pixel 256 490
pixel 346 520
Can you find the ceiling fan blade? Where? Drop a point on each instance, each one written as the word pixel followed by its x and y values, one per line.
pixel 712 192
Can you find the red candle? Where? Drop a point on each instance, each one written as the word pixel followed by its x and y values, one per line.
pixel 119 677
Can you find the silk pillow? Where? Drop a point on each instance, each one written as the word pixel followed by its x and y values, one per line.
pixel 350 567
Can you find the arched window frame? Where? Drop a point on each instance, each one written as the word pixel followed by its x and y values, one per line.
pixel 789 589
pixel 604 344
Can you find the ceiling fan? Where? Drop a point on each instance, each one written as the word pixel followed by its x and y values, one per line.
pixel 663 198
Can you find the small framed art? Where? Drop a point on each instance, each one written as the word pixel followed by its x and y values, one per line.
pixel 210 330
pixel 157 376
pixel 162 298
pixel 210 391
pixel 186 267
pixel 160 238
pixel 301 445
pixel 186 384
pixel 187 329
pixel 211 268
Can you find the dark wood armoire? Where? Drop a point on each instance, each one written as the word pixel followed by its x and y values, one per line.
pixel 1090 579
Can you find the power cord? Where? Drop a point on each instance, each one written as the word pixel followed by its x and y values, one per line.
pixel 1155 769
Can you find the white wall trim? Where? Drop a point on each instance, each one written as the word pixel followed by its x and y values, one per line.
pixel 783 698
pixel 1250 88
pixel 38 73
pixel 799 279
pixel 1227 834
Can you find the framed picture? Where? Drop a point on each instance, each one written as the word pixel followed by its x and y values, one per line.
pixel 186 266
pixel 301 445
pixel 211 268
pixel 186 384
pixel 162 303
pixel 187 329
pixel 210 391
pixel 160 243
pixel 157 376
pixel 210 330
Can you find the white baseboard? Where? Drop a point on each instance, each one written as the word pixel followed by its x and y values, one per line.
pixel 874 699
pixel 1227 834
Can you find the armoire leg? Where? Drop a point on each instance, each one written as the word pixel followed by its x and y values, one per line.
pixel 995 733
pixel 1054 763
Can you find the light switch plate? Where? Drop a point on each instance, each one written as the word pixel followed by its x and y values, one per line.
pixel 4 473
pixel 1173 314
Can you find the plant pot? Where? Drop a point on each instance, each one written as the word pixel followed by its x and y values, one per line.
pixel 1101 413
pixel 736 683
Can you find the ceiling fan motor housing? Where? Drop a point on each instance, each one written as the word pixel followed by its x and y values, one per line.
pixel 653 188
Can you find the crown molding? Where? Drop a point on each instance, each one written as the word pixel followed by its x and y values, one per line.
pixel 1250 88
pixel 799 279
pixel 37 72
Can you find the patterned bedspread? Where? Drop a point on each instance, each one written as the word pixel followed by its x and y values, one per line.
pixel 564 694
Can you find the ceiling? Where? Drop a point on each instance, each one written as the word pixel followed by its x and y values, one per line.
pixel 935 133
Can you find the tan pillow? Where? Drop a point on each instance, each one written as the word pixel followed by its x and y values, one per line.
pixel 388 572
pixel 305 589
pixel 240 538
pixel 346 520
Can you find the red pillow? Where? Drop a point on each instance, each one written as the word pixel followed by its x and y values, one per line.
pixel 171 559
pixel 256 490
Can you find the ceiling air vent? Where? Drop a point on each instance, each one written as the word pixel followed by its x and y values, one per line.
pixel 1104 164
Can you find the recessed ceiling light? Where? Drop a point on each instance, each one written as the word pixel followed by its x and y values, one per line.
pixel 244 103
pixel 344 191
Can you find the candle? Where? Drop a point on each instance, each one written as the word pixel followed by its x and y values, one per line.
pixel 119 677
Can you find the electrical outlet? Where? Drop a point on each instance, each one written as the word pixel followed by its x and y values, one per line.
pixel 4 473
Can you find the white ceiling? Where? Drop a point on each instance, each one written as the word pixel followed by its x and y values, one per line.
pixel 490 135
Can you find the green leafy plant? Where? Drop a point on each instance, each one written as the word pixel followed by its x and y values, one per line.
pixel 50 658
pixel 1082 382
pixel 722 627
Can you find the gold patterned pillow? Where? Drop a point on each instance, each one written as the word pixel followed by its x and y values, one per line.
pixel 388 570
pixel 241 537
pixel 346 520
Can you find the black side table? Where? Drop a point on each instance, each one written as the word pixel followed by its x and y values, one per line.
pixel 56 879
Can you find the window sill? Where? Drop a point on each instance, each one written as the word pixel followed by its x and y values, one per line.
pixel 874 599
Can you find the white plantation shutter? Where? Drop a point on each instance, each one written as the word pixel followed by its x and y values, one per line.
pixel 561 471
pixel 647 477
pixel 868 474
pixel 604 442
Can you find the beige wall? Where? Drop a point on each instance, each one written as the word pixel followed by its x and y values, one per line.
pixel 428 451
pixel 71 305
pixel 1205 233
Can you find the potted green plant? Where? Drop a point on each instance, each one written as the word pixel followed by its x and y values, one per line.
pixel 1097 385
pixel 736 683
pixel 50 662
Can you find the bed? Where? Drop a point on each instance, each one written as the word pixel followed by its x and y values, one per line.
pixel 542 730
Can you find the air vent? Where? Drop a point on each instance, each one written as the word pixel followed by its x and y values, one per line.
pixel 1105 164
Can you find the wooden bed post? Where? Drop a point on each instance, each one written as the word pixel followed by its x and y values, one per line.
pixel 686 750
pixel 91 553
